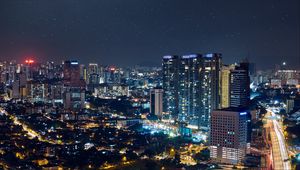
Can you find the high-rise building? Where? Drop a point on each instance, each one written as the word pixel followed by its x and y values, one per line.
pixel 191 86
pixel 71 74
pixel 37 91
pixel 235 86
pixel 111 90
pixel 74 98
pixel 210 87
pixel 83 72
pixel 170 85
pixel 93 74
pixel 189 89
pixel 74 92
pixel 228 135
pixel 93 68
pixel 240 86
pixel 156 100
pixel 289 105
pixel 225 85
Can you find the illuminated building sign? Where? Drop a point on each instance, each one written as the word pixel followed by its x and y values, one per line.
pixel 243 113
pixel 189 56
pixel 209 55
pixel 168 57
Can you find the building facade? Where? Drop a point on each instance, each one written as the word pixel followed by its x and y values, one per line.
pixel 210 87
pixel 228 135
pixel 156 102
pixel 170 85
pixel 191 86
pixel 240 86
pixel 189 89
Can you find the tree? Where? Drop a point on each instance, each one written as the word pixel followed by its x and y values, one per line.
pixel 203 155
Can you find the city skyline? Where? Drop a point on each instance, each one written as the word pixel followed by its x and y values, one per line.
pixel 141 32
pixel 158 85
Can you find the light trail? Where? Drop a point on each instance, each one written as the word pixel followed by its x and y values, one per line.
pixel 279 145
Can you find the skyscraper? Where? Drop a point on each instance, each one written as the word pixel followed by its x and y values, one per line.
pixel 170 85
pixel 228 135
pixel 156 100
pixel 240 86
pixel 71 71
pixel 93 74
pixel 74 86
pixel 210 87
pixel 225 85
pixel 189 89
pixel 192 87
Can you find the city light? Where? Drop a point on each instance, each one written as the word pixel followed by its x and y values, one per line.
pixel 29 61
pixel 156 85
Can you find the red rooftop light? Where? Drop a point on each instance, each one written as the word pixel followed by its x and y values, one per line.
pixel 30 61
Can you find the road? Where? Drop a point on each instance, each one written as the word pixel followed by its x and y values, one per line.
pixel 279 149
pixel 30 132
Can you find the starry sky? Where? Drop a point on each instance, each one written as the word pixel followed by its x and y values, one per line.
pixel 129 32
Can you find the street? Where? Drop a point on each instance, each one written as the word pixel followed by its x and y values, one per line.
pixel 279 152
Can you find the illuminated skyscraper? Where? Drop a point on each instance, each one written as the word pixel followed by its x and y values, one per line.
pixel 93 68
pixel 210 87
pixel 74 91
pixel 170 85
pixel 228 135
pixel 235 89
pixel 225 85
pixel 74 98
pixel 192 87
pixel 240 86
pixel 71 71
pixel 189 89
pixel 93 74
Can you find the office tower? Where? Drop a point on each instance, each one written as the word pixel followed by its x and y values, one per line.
pixel 94 79
pixel 93 68
pixel 74 98
pixel 189 89
pixel 83 72
pixel 289 105
pixel 210 87
pixel 288 77
pixel 37 91
pixel 240 86
pixel 225 85
pixel 74 92
pixel 71 74
pixel 111 91
pixel 93 74
pixel 228 135
pixel 112 74
pixel 170 85
pixel 156 100
pixel 11 73
pixel 56 93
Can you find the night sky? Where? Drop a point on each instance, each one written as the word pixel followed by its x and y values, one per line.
pixel 129 32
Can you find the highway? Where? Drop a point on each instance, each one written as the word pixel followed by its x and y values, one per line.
pixel 279 149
